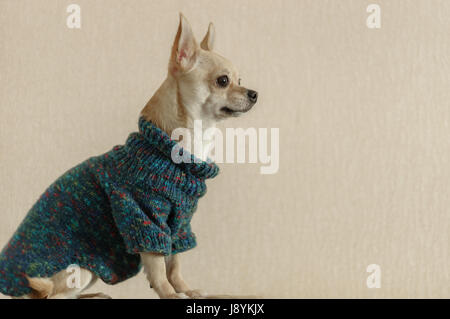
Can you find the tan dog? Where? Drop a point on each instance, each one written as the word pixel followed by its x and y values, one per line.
pixel 200 85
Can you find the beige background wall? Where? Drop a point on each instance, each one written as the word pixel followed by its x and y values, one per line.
pixel 364 134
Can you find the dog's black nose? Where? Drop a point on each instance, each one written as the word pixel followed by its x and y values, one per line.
pixel 252 96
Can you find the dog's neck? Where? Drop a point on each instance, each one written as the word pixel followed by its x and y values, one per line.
pixel 167 111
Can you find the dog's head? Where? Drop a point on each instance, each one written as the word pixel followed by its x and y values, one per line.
pixel 209 86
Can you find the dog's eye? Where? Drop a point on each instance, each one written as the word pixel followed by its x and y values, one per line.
pixel 239 82
pixel 222 81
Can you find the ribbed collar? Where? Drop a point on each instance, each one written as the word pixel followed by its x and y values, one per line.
pixel 162 141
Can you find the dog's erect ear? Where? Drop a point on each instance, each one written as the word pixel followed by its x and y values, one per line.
pixel 208 40
pixel 184 50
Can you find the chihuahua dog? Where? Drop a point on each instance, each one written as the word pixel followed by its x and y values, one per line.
pixel 200 85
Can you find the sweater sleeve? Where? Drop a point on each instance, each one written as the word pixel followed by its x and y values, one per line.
pixel 181 234
pixel 183 240
pixel 142 222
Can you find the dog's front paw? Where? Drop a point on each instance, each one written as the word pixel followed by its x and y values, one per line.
pixel 98 295
pixel 196 293
pixel 178 295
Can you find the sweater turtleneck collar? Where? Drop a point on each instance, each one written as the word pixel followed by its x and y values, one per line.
pixel 161 140
pixel 145 160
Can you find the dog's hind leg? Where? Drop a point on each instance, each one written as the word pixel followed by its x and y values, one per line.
pixel 62 285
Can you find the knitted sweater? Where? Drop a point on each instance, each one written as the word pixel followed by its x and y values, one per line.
pixel 103 212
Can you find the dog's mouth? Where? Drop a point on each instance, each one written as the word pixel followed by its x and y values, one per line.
pixel 228 111
pixel 232 112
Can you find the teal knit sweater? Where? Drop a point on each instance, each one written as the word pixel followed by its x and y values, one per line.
pixel 102 213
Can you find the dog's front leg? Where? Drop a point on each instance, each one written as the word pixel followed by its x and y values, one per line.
pixel 175 278
pixel 155 269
